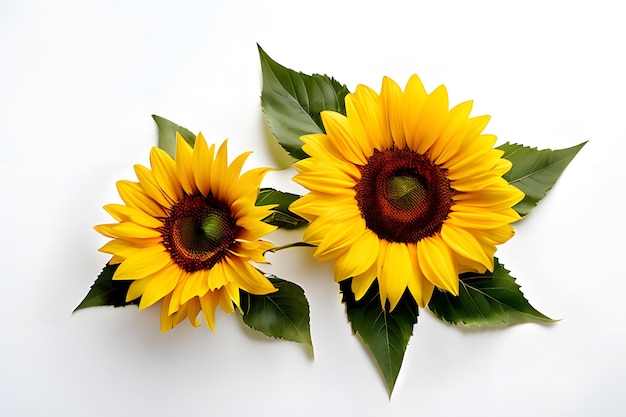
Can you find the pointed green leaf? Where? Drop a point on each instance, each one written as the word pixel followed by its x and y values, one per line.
pixel 167 135
pixel 535 171
pixel 107 292
pixel 281 215
pixel 283 314
pixel 292 102
pixel 385 333
pixel 491 298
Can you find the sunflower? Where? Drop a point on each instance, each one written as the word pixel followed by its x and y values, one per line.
pixel 405 191
pixel 187 232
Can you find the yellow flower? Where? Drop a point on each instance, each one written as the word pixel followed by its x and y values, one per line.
pixel 405 191
pixel 187 232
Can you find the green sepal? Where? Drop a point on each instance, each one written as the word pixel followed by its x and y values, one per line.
pixel 385 333
pixel 534 171
pixel 486 299
pixel 167 135
pixel 283 314
pixel 281 215
pixel 107 292
pixel 292 102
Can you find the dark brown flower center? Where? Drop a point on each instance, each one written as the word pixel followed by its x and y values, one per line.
pixel 403 196
pixel 198 232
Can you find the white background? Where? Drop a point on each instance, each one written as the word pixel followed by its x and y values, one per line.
pixel 78 83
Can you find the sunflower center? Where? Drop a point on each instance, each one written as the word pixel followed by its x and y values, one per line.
pixel 198 232
pixel 406 190
pixel 403 196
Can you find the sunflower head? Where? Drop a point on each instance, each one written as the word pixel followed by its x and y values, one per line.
pixel 187 232
pixel 405 191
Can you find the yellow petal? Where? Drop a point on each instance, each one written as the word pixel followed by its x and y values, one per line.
pixel 496 236
pixel 136 288
pixel 225 301
pixel 331 185
pixel 324 151
pixel 226 190
pixel 361 283
pixel 320 146
pixel 253 229
pixel 208 303
pixel 449 139
pixel 412 102
pixel 313 205
pixel 217 276
pixel 233 293
pixel 362 254
pixel 432 121
pixel 475 168
pixel 167 322
pixel 172 320
pixel 463 243
pixel 380 265
pixel 436 263
pixel 482 220
pixel 246 277
pixel 175 303
pixel 494 197
pixel 219 168
pixel 202 161
pixel 478 182
pixel 338 240
pixel 396 269
pixel 121 248
pixel 470 138
pixel 143 264
pixel 126 213
pixel 184 165
pixel 159 285
pixel 421 288
pixel 152 187
pixel 320 168
pixel 247 186
pixel 368 119
pixel 195 285
pixel 193 308
pixel 127 230
pixel 164 172
pixel 317 231
pixel 345 142
pixel 477 151
pixel 134 195
pixel 116 259
pixel 255 254
pixel 391 95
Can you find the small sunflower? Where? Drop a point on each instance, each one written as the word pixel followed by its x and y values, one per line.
pixel 405 191
pixel 187 232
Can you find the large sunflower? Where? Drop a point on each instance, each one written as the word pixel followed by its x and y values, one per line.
pixel 405 191
pixel 187 232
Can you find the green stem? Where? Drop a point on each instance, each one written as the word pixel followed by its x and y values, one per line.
pixel 289 245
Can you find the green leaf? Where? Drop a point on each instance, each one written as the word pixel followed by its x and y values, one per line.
pixel 281 215
pixel 107 292
pixel 491 298
pixel 292 102
pixel 167 135
pixel 283 314
pixel 385 333
pixel 535 171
